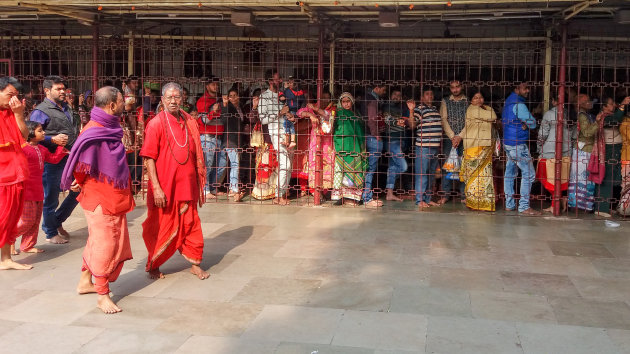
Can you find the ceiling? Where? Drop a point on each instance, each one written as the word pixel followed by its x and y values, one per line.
pixel 330 12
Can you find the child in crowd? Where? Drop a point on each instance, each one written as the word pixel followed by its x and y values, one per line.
pixel 28 226
pixel 294 99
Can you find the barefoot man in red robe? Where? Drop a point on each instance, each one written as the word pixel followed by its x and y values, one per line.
pixel 13 168
pixel 97 166
pixel 176 170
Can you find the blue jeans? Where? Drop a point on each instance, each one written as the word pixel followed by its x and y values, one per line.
pixel 397 163
pixel 233 155
pixel 374 148
pixel 518 159
pixel 53 217
pixel 289 127
pixel 426 163
pixel 211 145
pixel 447 184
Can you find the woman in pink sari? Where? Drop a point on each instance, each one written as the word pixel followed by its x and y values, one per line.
pixel 321 120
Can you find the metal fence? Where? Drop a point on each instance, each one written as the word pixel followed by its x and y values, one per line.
pixel 598 67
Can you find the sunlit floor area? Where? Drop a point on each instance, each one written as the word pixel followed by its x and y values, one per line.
pixel 301 279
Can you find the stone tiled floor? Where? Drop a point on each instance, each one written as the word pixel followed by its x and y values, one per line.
pixel 340 280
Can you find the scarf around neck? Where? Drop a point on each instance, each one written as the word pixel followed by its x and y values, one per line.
pixel 99 153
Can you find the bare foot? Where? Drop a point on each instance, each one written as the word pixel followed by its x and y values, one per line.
pixel 422 206
pixel 63 232
pixel 548 210
pixel 530 212
pixel 57 240
pixel 11 264
pixel 374 203
pixel 200 273
pixel 349 202
pixel 391 196
pixel 85 285
pixel 210 196
pixel 281 201
pixel 156 274
pixel 14 251
pixel 434 204
pixel 292 145
pixel 442 201
pixel 238 196
pixel 33 250
pixel 106 305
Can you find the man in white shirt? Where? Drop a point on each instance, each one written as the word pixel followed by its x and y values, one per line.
pixel 272 112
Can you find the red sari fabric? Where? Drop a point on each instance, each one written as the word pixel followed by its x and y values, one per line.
pixel 28 226
pixel 13 164
pixel 174 228
pixel 11 205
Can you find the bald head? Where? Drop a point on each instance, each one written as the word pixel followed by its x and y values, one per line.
pixel 110 100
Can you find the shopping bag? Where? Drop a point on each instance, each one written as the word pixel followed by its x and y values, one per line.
pixel 453 162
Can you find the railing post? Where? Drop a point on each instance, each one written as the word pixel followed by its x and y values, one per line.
pixel 317 192
pixel 94 58
pixel 557 193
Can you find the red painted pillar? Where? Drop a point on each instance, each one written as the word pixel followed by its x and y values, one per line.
pixel 317 193
pixel 94 58
pixel 557 193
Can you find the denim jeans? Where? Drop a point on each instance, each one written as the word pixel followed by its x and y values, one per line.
pixel 397 163
pixel 518 158
pixel 447 184
pixel 374 148
pixel 233 155
pixel 425 165
pixel 211 145
pixel 53 217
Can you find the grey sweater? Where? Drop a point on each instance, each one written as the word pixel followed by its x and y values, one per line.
pixel 547 136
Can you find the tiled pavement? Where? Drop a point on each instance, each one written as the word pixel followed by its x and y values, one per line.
pixel 340 280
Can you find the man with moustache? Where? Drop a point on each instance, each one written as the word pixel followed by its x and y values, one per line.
pixel 61 127
pixel 177 173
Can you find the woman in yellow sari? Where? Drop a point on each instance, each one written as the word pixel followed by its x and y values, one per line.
pixel 476 169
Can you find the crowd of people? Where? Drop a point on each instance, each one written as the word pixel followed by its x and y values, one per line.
pixel 102 146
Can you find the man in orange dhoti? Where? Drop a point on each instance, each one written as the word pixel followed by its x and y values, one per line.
pixel 97 166
pixel 13 168
pixel 176 169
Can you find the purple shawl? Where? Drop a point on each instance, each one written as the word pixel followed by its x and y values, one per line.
pixel 99 153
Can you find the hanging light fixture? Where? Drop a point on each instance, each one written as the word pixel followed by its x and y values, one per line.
pixel 388 19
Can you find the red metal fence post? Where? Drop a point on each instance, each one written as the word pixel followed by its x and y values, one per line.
pixel 557 193
pixel 317 193
pixel 94 58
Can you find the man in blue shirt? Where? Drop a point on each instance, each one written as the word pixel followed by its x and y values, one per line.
pixel 517 121
pixel 61 128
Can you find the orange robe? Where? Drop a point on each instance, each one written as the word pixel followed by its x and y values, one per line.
pixel 105 209
pixel 13 173
pixel 178 157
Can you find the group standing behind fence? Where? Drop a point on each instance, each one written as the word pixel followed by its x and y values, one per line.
pixel 185 156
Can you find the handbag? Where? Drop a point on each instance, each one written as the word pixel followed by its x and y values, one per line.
pixel 256 139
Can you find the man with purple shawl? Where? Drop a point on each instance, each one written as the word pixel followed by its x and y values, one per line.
pixel 97 167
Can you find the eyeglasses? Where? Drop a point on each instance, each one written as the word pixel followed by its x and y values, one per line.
pixel 172 98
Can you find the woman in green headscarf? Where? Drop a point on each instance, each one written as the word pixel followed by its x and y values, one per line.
pixel 349 141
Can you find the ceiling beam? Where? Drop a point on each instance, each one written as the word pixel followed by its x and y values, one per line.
pixel 577 8
pixel 80 15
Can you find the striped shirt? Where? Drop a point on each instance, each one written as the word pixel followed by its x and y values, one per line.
pixel 428 126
